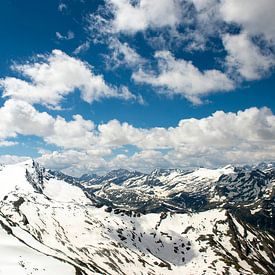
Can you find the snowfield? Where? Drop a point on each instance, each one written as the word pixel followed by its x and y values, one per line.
pixel 49 226
pixel 19 258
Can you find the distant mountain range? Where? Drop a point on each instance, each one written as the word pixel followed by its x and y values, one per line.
pixel 170 221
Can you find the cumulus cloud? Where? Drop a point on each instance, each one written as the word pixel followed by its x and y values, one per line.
pixel 204 23
pixel 73 162
pixel 56 76
pixel 77 163
pixel 255 17
pixel 215 140
pixel 117 134
pixel 227 129
pixel 220 130
pixel 129 17
pixel 252 58
pixel 245 29
pixel 183 78
pixel 219 139
pixel 246 57
pixel 145 160
pixel 250 51
pixel 19 117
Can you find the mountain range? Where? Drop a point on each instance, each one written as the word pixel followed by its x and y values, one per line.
pixel 169 221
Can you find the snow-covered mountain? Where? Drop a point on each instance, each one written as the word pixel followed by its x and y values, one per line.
pixel 166 222
pixel 249 187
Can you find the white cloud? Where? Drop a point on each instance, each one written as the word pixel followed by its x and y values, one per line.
pixel 222 138
pixel 73 162
pixel 183 78
pixel 82 48
pixel 221 130
pixel 192 25
pixel 246 57
pixel 116 134
pixel 204 24
pixel 144 14
pixel 251 58
pixel 72 134
pixel 252 126
pixel 62 160
pixel 77 163
pixel 256 17
pixel 253 17
pixel 212 141
pixel 19 117
pixel 56 76
pixel 123 55
pixel 145 160
pixel 68 36
pixel 245 136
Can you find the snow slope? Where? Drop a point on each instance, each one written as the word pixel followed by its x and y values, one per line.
pixel 19 258
pixel 81 237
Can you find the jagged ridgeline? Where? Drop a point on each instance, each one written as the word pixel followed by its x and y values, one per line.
pixel 167 222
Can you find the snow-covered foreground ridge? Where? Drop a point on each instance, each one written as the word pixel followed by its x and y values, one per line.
pixel 167 222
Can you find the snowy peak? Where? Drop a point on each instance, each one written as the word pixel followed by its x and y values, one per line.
pixel 31 177
pixel 18 177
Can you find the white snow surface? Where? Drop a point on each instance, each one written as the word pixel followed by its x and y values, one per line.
pixel 61 222
pixel 17 258
pixel 12 177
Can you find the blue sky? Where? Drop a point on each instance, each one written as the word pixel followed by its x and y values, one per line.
pixel 98 85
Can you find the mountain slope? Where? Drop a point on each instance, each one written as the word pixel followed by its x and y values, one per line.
pixel 19 258
pixel 58 219
pixel 240 188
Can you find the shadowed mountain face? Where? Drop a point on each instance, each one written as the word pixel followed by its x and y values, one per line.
pixel 166 222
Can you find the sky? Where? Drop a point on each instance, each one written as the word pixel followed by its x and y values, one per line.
pixel 90 86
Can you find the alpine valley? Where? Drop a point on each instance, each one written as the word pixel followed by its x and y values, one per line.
pixel 199 222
